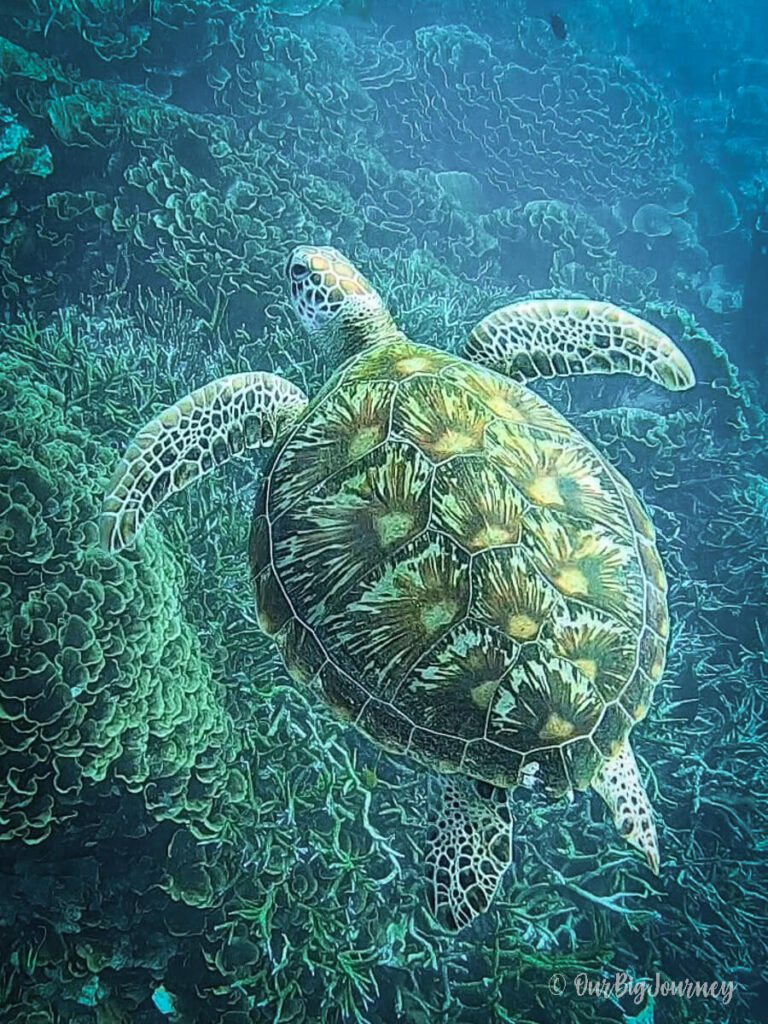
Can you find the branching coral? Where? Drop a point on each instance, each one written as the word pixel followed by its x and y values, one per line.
pixel 314 903
pixel 231 850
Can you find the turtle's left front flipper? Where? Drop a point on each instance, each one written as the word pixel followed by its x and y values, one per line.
pixel 469 847
pixel 565 337
pixel 187 440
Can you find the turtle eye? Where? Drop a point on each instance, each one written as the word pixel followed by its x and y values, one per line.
pixel 298 270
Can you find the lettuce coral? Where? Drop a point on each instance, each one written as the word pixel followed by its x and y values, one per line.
pixel 17 155
pixel 228 843
pixel 552 125
pixel 102 677
pixel 208 203
pixel 20 159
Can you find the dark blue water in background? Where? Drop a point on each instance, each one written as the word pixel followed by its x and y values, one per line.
pixel 184 836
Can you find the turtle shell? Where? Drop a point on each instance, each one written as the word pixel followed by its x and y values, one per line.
pixel 459 573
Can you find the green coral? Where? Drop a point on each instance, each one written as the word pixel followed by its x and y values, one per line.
pixel 20 160
pixel 116 29
pixel 312 905
pixel 16 62
pixel 259 861
pixel 102 677
pixel 17 155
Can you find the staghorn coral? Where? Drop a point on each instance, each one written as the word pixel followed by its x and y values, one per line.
pixel 297 862
pixel 310 908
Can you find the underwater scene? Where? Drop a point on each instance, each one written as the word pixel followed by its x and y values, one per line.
pixel 383 512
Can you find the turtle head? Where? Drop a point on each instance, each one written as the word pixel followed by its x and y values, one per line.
pixel 335 302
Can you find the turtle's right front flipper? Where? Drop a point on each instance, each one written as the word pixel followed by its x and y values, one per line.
pixel 566 337
pixel 187 440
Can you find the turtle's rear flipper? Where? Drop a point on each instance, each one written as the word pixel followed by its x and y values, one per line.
pixel 618 782
pixel 565 337
pixel 469 847
pixel 201 431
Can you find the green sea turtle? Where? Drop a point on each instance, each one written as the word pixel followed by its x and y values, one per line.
pixel 441 557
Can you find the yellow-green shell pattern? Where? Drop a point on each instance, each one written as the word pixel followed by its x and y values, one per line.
pixel 459 573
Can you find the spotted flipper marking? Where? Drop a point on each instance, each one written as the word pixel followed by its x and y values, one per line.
pixel 563 337
pixel 469 847
pixel 618 782
pixel 187 440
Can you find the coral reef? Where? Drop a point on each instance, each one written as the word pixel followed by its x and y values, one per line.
pixel 185 834
pixel 102 679
pixel 19 160
pixel 313 902
pixel 208 202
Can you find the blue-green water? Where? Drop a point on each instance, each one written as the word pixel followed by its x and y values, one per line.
pixel 188 836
